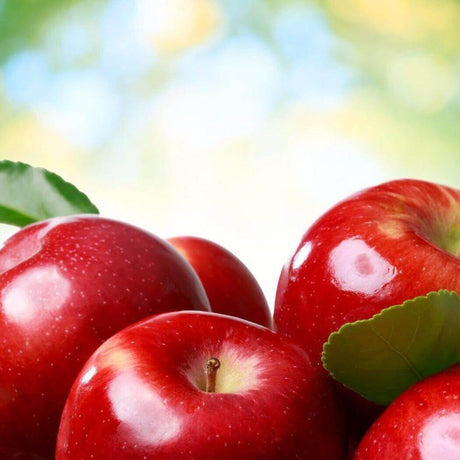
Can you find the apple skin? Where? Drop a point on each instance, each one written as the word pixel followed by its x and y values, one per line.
pixel 141 396
pixel 230 286
pixel 66 285
pixel 422 423
pixel 376 249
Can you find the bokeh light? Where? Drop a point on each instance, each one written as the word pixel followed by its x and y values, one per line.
pixel 236 121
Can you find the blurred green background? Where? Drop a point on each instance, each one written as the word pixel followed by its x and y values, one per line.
pixel 240 121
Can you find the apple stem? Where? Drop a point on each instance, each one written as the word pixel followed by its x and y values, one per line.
pixel 211 372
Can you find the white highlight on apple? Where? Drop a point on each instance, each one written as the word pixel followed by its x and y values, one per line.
pixel 357 267
pixel 141 411
pixel 440 437
pixel 301 255
pixel 88 375
pixel 38 290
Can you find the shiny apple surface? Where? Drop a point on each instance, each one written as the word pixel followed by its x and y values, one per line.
pixel 142 395
pixel 421 424
pixel 373 250
pixel 66 285
pixel 230 286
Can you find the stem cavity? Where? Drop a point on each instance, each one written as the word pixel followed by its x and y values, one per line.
pixel 211 373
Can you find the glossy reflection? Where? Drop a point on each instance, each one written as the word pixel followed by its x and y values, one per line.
pixel 300 257
pixel 440 437
pixel 66 285
pixel 88 375
pixel 269 401
pixel 422 423
pixel 375 249
pixel 371 251
pixel 142 414
pixel 34 294
pixel 356 267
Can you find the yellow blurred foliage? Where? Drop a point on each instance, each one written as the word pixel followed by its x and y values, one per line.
pixel 423 81
pixel 409 20
pixel 405 146
pixel 172 26
pixel 26 138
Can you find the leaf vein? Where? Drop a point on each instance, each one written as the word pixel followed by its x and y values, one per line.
pixel 405 358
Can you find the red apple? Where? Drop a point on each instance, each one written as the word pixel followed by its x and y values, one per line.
pixel 376 249
pixel 66 285
pixel 199 386
pixel 422 423
pixel 373 250
pixel 230 286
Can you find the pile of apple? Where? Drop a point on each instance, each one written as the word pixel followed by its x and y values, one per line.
pixel 116 344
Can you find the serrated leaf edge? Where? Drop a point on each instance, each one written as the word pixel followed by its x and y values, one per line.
pixel 332 337
pixel 48 175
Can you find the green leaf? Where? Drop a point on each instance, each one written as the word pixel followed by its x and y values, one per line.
pixel 381 357
pixel 29 194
